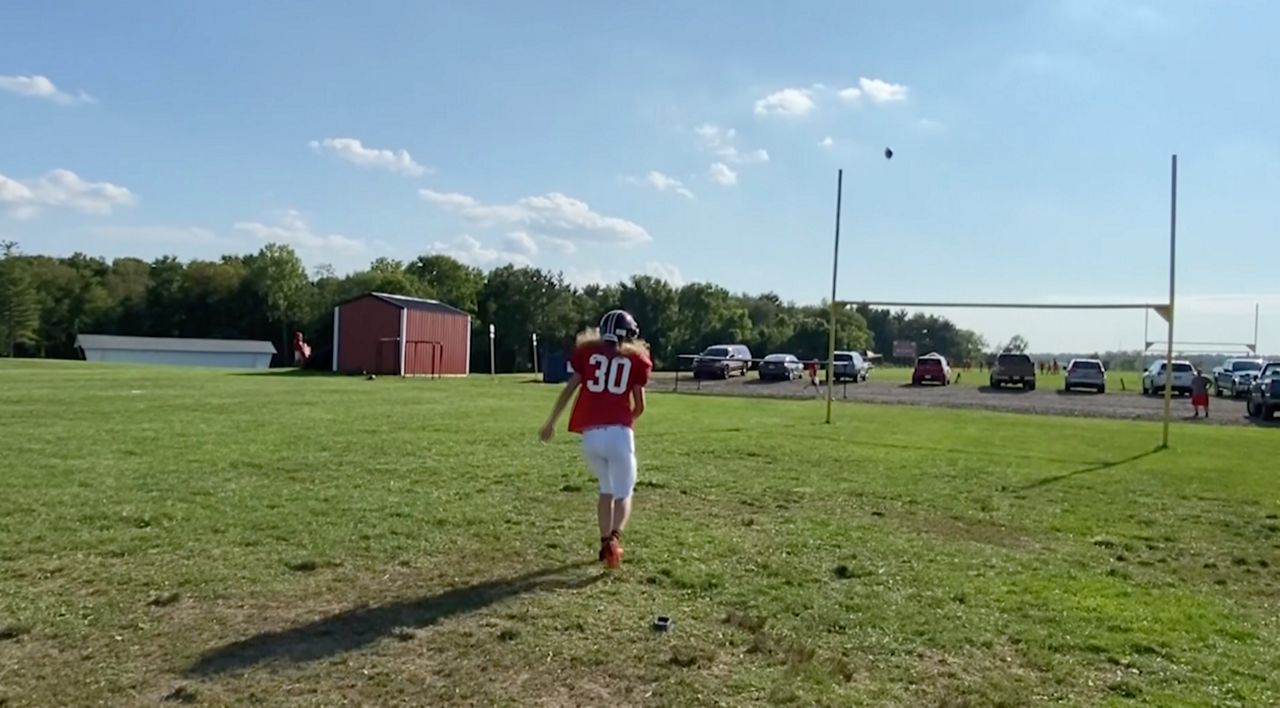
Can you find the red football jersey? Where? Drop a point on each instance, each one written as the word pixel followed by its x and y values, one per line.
pixel 608 378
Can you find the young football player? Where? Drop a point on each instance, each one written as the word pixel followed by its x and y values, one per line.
pixel 611 367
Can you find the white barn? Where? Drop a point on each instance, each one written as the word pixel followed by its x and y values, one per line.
pixel 220 353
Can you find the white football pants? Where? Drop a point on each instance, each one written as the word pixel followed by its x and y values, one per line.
pixel 611 455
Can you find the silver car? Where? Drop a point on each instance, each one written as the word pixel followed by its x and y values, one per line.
pixel 1153 378
pixel 1235 376
pixel 1086 373
pixel 850 366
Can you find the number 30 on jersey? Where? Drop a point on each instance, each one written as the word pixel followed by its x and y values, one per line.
pixel 612 375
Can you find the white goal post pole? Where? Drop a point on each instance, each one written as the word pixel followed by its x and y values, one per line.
pixel 1256 307
pixel 1173 261
pixel 835 270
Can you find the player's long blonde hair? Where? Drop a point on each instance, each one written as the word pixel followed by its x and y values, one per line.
pixel 591 335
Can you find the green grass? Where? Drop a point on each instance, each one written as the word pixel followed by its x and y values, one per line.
pixel 279 539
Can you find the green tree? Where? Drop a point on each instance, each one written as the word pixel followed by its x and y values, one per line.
pixel 652 301
pixel 449 281
pixel 279 278
pixel 19 301
pixel 1017 345
pixel 709 315
pixel 520 302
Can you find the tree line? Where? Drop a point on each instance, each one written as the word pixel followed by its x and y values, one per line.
pixel 46 301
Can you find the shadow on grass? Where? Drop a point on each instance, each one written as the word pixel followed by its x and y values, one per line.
pixel 1086 470
pixel 288 372
pixel 907 447
pixel 1006 390
pixel 768 382
pixel 359 627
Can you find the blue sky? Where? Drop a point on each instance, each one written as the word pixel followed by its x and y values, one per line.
pixel 691 141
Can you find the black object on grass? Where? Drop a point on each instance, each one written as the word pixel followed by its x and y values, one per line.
pixel 662 624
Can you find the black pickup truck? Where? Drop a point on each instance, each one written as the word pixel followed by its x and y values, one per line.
pixel 1264 392
pixel 1014 370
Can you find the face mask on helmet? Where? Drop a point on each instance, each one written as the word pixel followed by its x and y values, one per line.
pixel 618 326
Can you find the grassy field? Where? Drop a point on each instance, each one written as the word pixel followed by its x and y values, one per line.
pixel 218 538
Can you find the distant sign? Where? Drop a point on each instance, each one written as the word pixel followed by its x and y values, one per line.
pixel 904 349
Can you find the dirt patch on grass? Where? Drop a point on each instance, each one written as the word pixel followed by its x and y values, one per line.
pixel 981 531
pixel 994 676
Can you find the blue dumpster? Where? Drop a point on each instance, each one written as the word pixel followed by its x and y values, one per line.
pixel 555 368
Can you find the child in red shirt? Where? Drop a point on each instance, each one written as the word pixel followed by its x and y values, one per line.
pixel 610 370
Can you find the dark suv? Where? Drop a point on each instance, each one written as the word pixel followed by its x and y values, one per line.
pixel 722 361
pixel 1264 392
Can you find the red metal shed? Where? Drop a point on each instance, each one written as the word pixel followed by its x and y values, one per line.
pixel 401 336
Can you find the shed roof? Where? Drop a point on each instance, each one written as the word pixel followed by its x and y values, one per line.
pixel 405 302
pixel 175 344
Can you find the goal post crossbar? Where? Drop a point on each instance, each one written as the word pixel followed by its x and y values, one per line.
pixel 1157 306
pixel 1164 309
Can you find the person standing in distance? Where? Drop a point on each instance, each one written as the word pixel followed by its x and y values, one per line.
pixel 611 367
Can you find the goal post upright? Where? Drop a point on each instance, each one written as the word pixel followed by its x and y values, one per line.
pixel 1173 261
pixel 831 324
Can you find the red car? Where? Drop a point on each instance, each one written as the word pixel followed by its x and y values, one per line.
pixel 931 368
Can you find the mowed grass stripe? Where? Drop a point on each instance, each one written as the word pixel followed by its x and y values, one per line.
pixel 310 539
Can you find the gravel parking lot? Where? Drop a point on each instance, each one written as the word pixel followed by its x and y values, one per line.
pixel 1043 401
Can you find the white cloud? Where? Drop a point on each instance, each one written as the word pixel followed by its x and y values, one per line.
pixel 353 151
pixel 874 90
pixel 452 200
pixel 155 234
pixel 746 158
pixel 41 87
pixel 713 135
pixel 469 250
pixel 663 183
pixel 665 271
pixel 560 245
pixel 572 218
pixel 878 91
pixel 24 199
pixel 827 142
pixel 582 277
pixel 931 126
pixel 723 174
pixel 291 229
pixel 521 242
pixel 721 142
pixel 787 102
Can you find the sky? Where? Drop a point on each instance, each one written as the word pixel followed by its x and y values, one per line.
pixel 691 141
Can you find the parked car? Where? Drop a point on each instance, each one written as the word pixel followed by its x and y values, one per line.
pixel 1153 378
pixel 932 368
pixel 1013 369
pixel 850 366
pixel 781 367
pixel 1234 377
pixel 722 361
pixel 1085 373
pixel 1264 392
